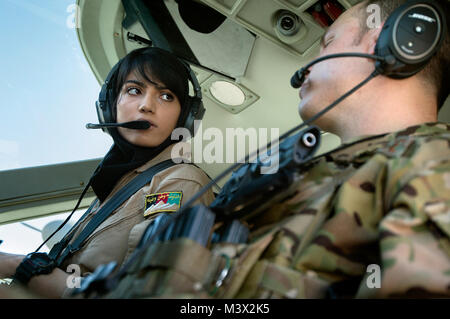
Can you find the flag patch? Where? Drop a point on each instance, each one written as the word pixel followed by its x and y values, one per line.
pixel 162 202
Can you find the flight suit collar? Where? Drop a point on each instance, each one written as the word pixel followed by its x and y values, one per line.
pixel 167 154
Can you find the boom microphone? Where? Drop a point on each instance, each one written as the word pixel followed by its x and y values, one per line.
pixel 134 125
pixel 299 77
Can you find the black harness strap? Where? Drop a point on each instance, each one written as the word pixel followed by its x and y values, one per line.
pixel 121 196
pixel 59 246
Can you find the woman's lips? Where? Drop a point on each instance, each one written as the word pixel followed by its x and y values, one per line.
pixel 152 124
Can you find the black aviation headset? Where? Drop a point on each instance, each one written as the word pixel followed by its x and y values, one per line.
pixel 412 34
pixel 410 37
pixel 105 107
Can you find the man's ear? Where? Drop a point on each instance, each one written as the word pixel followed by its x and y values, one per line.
pixel 370 39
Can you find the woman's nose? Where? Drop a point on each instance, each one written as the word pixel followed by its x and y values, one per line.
pixel 148 104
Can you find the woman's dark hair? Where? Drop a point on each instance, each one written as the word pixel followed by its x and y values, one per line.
pixel 153 64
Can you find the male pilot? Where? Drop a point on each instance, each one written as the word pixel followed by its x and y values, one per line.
pixel 384 104
pixel 388 229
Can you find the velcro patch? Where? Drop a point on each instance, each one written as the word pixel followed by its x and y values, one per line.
pixel 162 202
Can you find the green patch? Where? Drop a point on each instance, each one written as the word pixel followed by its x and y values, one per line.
pixel 419 228
pixel 410 150
pixel 390 243
pixel 339 210
pixel 441 169
pixel 388 263
pixel 411 251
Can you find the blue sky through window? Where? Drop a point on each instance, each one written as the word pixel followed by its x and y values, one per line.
pixel 46 86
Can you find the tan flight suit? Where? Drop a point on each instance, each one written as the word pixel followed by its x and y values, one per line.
pixel 16 292
pixel 117 237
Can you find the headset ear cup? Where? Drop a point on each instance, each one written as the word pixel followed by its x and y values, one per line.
pixel 197 109
pixel 101 119
pixel 410 37
pixel 105 109
pixel 196 113
pixel 110 116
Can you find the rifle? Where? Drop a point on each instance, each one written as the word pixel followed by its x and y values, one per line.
pixel 248 191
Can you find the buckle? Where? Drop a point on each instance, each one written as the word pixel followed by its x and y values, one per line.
pixel 72 250
pixel 223 275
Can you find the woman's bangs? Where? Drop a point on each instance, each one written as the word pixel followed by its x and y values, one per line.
pixel 153 70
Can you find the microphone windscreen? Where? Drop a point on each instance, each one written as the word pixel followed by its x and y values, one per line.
pixel 92 126
pixel 136 125
pixel 297 80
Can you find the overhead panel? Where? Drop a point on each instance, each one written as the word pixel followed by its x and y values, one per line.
pixel 226 49
pixel 294 25
pixel 194 32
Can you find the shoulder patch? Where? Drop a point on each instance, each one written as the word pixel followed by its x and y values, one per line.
pixel 162 202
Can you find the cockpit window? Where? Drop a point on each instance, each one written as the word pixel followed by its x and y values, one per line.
pixel 47 88
pixel 25 236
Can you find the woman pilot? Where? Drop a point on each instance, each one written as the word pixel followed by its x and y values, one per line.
pixel 149 84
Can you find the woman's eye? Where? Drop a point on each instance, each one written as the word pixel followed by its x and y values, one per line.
pixel 167 97
pixel 133 91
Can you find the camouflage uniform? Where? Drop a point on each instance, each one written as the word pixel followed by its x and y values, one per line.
pixel 382 201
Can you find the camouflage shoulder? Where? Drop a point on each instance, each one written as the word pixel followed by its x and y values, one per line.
pixel 425 129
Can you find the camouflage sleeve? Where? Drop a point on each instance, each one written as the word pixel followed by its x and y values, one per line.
pixel 414 235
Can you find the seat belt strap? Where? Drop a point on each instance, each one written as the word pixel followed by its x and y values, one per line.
pixel 120 197
pixel 59 246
